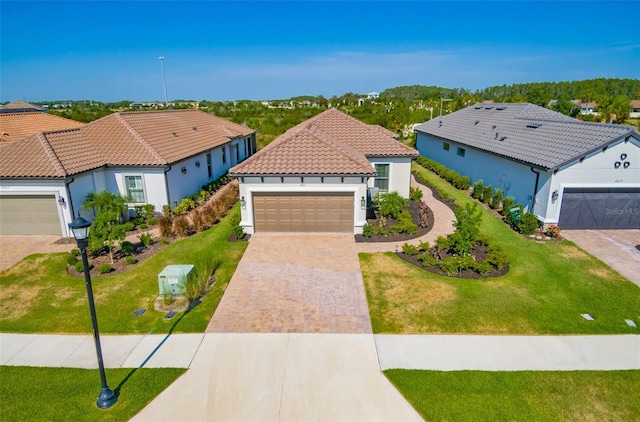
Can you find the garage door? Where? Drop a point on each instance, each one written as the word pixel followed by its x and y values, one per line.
pixel 600 209
pixel 303 212
pixel 29 214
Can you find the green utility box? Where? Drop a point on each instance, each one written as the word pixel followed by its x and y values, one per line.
pixel 172 279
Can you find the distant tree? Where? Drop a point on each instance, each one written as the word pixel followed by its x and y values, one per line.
pixel 613 109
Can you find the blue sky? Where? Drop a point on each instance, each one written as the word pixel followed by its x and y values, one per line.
pixel 108 51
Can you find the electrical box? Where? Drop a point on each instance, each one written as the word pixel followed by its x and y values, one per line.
pixel 173 278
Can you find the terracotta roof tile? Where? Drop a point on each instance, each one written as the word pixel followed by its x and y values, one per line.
pixel 136 138
pixel 329 143
pixel 14 126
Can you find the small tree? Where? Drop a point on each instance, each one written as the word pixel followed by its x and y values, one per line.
pixel 467 229
pixel 391 204
pixel 478 188
pixel 106 227
pixel 496 199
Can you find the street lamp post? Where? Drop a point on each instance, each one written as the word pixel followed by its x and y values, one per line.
pixel 164 82
pixel 80 229
pixel 442 100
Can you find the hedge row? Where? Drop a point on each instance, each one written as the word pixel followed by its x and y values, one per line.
pixel 451 176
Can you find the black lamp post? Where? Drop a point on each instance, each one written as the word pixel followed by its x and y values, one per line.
pixel 80 229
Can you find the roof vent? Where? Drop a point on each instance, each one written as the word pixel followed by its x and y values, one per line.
pixel 503 138
pixel 175 134
pixel 440 123
pixel 478 107
pixel 534 125
pixel 501 108
pixel 493 127
pixel 476 122
pixel 489 108
pixel 497 135
pixel 195 128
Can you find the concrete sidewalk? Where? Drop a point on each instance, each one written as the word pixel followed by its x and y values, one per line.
pixel 508 353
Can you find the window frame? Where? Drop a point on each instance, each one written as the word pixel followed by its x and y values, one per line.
pixel 446 146
pixel 461 151
pixel 386 178
pixel 125 178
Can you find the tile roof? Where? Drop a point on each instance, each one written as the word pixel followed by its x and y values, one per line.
pixel 331 143
pixel 19 106
pixel 150 138
pixel 14 126
pixel 524 132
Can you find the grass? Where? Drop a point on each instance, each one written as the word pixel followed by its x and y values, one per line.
pixel 61 394
pixel 37 295
pixel 547 288
pixel 521 396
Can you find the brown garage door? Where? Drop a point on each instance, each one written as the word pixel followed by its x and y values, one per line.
pixel 29 214
pixel 303 212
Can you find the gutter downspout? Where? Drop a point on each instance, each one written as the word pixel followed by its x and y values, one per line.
pixel 66 187
pixel 166 184
pixel 535 190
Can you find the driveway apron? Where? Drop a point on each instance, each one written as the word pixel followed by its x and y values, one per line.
pixel 295 283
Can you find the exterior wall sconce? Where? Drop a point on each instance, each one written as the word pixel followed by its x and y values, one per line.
pixel 554 196
pixel 243 203
pixel 61 201
pixel 183 170
pixel 363 203
pixel 197 163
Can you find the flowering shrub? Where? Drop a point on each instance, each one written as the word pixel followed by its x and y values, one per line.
pixel 424 217
pixel 553 231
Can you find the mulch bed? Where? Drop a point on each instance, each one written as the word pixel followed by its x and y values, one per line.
pixel 414 209
pixel 468 273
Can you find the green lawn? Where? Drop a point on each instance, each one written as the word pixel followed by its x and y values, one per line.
pixel 521 396
pixel 66 394
pixel 37 295
pixel 547 288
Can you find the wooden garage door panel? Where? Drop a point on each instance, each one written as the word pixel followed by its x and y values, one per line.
pixel 303 212
pixel 29 214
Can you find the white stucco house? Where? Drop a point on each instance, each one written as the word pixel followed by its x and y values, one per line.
pixel 318 176
pixel 565 171
pixel 154 157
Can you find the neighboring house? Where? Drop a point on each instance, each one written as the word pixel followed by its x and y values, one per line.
pixel 634 113
pixel 565 171
pixel 20 106
pixel 154 157
pixel 14 126
pixel 317 176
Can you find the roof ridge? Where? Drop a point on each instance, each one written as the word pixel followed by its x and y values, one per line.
pixel 138 137
pixel 51 153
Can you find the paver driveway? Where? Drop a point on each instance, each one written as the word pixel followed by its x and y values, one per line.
pixel 295 283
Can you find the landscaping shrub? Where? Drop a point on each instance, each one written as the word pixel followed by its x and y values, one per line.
pixel 367 230
pixel 507 204
pixel 423 219
pixel 152 221
pixel 146 239
pixel 104 268
pixel 496 199
pixel 428 260
pixel 143 226
pixel 130 260
pixel 181 226
pixel 415 193
pixel 79 267
pixel 478 189
pixel 483 267
pixel 166 210
pixel 467 228
pixel 235 218
pixel 486 194
pixel 198 220
pixel 409 249
pixel 127 247
pixel 201 197
pixel 72 257
pixel 528 224
pixel 391 204
pixel 553 231
pixel 128 226
pixel 166 225
pixel 186 205
pixel 443 243
pixel 238 231
pixel 497 258
pixel 404 224
pixel 424 246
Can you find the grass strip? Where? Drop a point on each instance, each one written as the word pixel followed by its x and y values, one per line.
pixel 64 394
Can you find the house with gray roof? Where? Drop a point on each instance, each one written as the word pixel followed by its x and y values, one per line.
pixel 567 172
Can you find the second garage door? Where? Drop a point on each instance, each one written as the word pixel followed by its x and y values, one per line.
pixel 593 208
pixel 303 212
pixel 29 214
